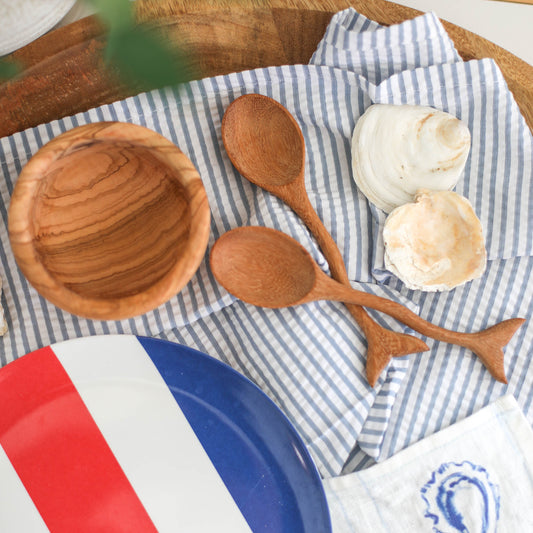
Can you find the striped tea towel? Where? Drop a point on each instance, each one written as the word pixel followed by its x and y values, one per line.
pixel 476 475
pixel 448 384
pixel 3 323
pixel 309 359
pixel 360 45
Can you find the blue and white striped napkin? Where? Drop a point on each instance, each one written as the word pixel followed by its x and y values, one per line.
pixel 311 359
pixel 358 44
pixel 447 384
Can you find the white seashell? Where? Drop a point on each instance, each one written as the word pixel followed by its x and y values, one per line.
pixel 3 324
pixel 435 243
pixel 398 149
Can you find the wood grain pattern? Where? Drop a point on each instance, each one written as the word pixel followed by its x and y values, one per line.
pixel 109 220
pixel 65 72
pixel 267 147
pixel 267 268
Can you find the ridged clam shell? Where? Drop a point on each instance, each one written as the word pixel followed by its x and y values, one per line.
pixel 435 243
pixel 398 149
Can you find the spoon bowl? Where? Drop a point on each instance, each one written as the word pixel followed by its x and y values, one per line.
pixel 267 160
pixel 245 262
pixel 267 268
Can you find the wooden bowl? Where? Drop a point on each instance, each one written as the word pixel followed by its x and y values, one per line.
pixel 109 220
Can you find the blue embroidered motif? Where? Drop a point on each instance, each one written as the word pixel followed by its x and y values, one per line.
pixel 461 498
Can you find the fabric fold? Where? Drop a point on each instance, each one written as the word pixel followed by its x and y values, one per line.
pixel 360 45
pixel 448 383
pixel 497 180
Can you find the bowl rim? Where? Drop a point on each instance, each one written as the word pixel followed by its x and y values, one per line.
pixel 21 235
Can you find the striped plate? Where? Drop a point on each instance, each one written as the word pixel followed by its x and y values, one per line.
pixel 122 433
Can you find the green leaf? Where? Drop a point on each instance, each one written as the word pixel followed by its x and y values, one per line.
pixel 142 57
pixel 114 13
pixel 8 69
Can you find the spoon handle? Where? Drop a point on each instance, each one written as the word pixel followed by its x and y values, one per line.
pixel 382 343
pixel 486 344
pixel 305 210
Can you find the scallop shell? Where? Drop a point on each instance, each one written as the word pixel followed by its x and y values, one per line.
pixel 435 243
pixel 398 149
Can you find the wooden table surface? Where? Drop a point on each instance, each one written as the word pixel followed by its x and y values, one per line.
pixel 64 72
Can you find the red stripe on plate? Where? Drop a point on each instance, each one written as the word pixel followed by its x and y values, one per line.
pixel 60 454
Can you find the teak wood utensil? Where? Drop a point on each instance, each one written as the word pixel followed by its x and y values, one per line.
pixel 267 268
pixel 265 143
pixel 109 220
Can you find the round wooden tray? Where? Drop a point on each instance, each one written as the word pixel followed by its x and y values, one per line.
pixel 64 72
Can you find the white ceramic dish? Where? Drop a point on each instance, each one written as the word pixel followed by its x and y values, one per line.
pixel 22 21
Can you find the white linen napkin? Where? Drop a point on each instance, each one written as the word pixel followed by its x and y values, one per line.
pixel 474 476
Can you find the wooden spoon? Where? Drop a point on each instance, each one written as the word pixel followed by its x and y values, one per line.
pixel 267 268
pixel 267 147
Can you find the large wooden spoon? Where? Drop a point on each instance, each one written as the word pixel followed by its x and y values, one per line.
pixel 267 147
pixel 267 268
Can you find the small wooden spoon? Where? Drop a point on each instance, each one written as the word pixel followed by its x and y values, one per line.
pixel 266 145
pixel 267 268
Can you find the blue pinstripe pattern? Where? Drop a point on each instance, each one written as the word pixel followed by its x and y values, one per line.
pixel 296 358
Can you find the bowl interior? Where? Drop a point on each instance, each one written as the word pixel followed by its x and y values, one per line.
pixel 110 219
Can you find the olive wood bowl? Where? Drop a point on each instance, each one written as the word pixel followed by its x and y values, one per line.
pixel 109 220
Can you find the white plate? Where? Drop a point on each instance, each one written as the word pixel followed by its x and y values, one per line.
pixel 22 21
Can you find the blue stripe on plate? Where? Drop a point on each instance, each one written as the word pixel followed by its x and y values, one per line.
pixel 261 459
